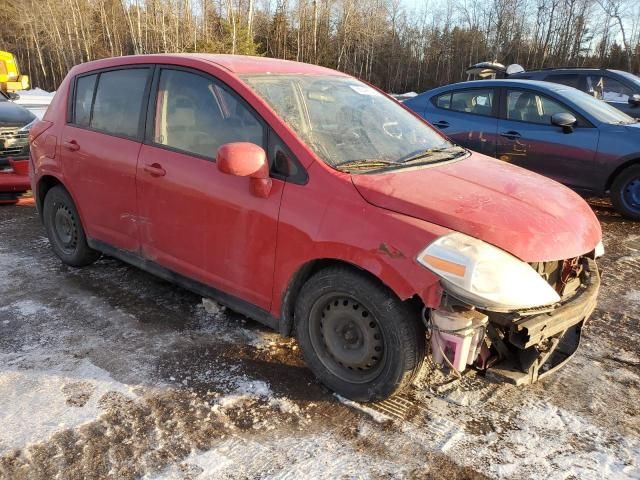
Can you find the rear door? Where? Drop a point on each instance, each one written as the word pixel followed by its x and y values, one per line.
pixel 527 138
pixel 100 146
pixel 197 221
pixel 468 117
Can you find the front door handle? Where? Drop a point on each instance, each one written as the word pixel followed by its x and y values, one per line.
pixel 441 124
pixel 155 169
pixel 511 135
pixel 71 145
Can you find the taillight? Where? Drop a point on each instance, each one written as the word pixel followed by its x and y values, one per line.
pixel 38 129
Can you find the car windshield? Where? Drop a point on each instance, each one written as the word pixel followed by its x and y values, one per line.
pixel 349 124
pixel 600 110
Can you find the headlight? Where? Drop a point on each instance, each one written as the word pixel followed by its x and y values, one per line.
pixel 599 250
pixel 28 126
pixel 484 275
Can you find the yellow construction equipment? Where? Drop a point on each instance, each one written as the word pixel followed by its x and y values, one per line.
pixel 10 78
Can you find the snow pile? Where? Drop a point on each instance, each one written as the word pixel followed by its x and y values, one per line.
pixel 36 404
pixel 35 100
pixel 35 96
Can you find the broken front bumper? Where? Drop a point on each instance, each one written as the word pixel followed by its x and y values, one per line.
pixel 530 347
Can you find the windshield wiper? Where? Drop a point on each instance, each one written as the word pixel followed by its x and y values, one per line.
pixel 364 164
pixel 453 151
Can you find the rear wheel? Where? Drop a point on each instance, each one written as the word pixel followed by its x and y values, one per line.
pixel 65 232
pixel 625 192
pixel 356 336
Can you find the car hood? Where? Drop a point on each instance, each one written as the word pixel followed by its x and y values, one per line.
pixel 12 115
pixel 529 216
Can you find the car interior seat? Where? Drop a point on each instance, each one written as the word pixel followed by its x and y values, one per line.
pixel 526 109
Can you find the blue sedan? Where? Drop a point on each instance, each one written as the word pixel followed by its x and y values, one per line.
pixel 552 129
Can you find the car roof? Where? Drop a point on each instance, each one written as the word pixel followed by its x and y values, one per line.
pixel 238 64
pixel 537 84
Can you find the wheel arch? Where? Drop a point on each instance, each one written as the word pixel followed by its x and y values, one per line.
pixel 300 276
pixel 619 169
pixel 45 183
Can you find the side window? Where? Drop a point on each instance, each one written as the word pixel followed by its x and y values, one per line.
pixel 443 101
pixel 82 100
pixel 196 114
pixel 608 89
pixel 477 101
pixel 568 79
pixel 118 103
pixel 532 107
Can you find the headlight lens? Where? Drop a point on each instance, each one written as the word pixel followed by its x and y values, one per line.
pixel 485 275
pixel 599 250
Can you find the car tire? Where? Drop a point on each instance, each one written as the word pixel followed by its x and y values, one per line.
pixel 625 192
pixel 64 229
pixel 356 336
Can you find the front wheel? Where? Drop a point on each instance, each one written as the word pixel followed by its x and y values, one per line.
pixel 625 192
pixel 356 336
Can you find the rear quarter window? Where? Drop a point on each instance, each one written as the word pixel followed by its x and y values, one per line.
pixel 82 102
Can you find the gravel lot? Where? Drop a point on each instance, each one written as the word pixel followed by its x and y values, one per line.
pixel 107 372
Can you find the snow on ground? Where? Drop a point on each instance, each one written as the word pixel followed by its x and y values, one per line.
pixel 36 100
pixel 107 372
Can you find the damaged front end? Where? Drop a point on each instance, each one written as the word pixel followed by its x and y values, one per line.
pixel 521 345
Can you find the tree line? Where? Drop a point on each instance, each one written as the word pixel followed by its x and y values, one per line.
pixel 394 45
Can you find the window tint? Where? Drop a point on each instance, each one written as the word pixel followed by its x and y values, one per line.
pixel 444 101
pixel 479 102
pixel 84 96
pixel 532 107
pixel 118 103
pixel 608 89
pixel 198 115
pixel 568 79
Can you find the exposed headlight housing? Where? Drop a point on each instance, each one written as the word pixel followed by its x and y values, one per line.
pixel 484 275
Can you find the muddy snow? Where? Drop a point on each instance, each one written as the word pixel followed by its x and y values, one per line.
pixel 107 372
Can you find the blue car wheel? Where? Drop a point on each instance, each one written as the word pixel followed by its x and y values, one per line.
pixel 625 192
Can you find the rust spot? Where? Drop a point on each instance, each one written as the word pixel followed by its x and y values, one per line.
pixel 391 252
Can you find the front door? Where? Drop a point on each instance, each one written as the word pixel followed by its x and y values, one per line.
pixel 100 149
pixel 195 220
pixel 468 117
pixel 527 138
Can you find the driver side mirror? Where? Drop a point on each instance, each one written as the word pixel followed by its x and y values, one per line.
pixel 244 159
pixel 634 100
pixel 564 120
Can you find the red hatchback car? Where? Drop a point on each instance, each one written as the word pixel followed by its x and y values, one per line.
pixel 316 204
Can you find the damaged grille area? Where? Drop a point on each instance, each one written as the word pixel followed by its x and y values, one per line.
pixel 562 275
pixel 13 143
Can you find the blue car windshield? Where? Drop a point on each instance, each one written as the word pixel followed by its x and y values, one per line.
pixel 600 110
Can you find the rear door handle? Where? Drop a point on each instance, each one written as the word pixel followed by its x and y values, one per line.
pixel 441 124
pixel 155 169
pixel 511 135
pixel 71 145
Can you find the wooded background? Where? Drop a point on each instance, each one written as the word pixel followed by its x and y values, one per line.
pixel 399 46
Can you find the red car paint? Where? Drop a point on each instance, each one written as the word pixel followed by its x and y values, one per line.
pixel 16 181
pixel 184 214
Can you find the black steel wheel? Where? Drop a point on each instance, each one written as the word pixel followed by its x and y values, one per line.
pixel 64 229
pixel 625 192
pixel 357 337
pixel 347 338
